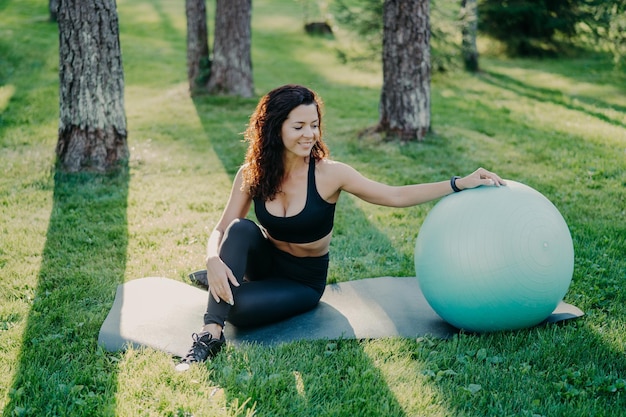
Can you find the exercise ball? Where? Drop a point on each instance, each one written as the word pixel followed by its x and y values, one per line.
pixel 494 258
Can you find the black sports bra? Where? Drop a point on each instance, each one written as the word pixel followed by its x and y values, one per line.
pixel 313 223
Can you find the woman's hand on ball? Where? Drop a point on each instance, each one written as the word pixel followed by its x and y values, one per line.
pixel 480 177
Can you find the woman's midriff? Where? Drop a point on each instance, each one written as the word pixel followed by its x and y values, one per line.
pixel 313 249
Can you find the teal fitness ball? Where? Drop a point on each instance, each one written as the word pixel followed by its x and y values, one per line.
pixel 494 258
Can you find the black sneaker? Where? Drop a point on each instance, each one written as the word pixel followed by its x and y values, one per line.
pixel 199 278
pixel 204 347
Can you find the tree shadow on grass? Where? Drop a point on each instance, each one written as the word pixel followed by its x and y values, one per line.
pixel 61 370
pixel 588 105
pixel 337 378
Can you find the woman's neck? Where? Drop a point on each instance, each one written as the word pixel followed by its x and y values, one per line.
pixel 294 164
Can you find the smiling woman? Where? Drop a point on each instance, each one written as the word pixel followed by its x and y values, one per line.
pixel 258 274
pixel 301 130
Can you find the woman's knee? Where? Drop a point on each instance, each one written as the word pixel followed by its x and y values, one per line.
pixel 242 236
pixel 243 227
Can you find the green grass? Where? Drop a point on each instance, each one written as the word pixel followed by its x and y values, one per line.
pixel 67 241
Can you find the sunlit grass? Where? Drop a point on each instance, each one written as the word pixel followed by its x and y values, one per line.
pixel 66 242
pixel 171 201
pixel 162 391
pixel 6 92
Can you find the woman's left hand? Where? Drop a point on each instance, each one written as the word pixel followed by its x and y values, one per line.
pixel 480 177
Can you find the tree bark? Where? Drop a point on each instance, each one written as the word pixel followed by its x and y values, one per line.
pixel 231 67
pixel 405 96
pixel 92 122
pixel 469 25
pixel 198 64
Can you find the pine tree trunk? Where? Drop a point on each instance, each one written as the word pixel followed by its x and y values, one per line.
pixel 92 122
pixel 469 24
pixel 405 97
pixel 53 7
pixel 198 64
pixel 231 67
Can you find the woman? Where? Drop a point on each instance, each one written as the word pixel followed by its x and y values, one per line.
pixel 262 274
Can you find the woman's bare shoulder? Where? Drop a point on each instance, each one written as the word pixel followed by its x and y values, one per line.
pixel 337 169
pixel 334 175
pixel 332 165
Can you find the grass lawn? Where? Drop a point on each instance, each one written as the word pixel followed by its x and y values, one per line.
pixel 67 241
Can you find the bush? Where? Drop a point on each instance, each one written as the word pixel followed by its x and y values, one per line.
pixel 529 27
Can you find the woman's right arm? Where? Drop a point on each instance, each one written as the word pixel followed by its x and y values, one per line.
pixel 218 273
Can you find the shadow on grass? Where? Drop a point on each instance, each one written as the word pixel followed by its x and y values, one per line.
pixel 338 378
pixel 579 103
pixel 61 370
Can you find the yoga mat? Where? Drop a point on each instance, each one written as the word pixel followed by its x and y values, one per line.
pixel 162 314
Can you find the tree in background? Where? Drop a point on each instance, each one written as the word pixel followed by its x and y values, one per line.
pixel 53 8
pixel 231 66
pixel 405 97
pixel 198 62
pixel 92 121
pixel 469 26
pixel 229 72
pixel 365 19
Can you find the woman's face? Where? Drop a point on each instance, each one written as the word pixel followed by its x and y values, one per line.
pixel 300 130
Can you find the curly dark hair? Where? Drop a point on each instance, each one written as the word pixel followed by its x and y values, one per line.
pixel 264 169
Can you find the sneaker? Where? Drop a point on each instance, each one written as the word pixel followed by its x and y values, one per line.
pixel 199 278
pixel 204 347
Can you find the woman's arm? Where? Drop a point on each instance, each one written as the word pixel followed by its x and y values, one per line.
pixel 237 206
pixel 407 195
pixel 218 273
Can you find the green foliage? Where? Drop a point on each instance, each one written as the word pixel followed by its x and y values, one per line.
pixel 547 27
pixel 606 23
pixel 363 19
pixel 529 27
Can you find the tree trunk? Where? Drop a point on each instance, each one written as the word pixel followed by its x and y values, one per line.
pixel 92 122
pixel 405 97
pixel 231 68
pixel 53 7
pixel 469 25
pixel 198 64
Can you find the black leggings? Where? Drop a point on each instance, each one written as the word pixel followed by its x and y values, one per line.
pixel 274 285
